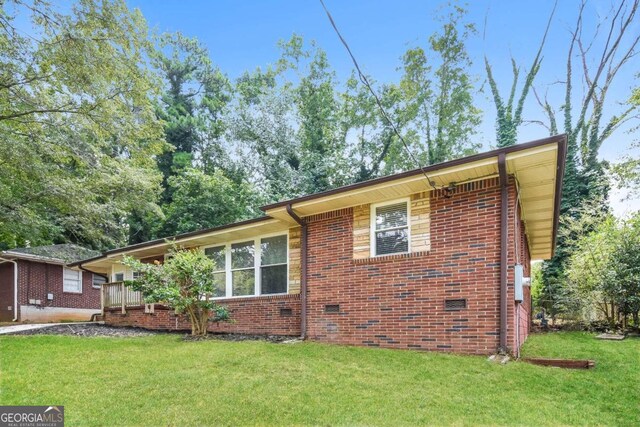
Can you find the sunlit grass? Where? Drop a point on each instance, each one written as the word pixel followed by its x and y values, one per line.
pixel 161 380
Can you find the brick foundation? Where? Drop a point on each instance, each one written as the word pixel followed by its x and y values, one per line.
pixel 265 315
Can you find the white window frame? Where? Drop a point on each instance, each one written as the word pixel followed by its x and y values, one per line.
pixel 226 262
pixel 372 228
pixel 72 291
pixel 93 281
pixel 256 265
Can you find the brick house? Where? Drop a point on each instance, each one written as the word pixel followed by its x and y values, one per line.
pixel 36 285
pixel 432 259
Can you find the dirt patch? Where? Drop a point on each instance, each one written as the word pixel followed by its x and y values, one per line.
pixel 87 330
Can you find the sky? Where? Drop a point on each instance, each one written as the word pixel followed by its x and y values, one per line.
pixel 243 35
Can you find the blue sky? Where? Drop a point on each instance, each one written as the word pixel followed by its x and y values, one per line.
pixel 243 35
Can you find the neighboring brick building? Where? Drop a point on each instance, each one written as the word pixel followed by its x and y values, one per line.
pixel 47 290
pixel 399 261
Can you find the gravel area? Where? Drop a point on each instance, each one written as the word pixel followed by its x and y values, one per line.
pixel 87 330
pixel 99 330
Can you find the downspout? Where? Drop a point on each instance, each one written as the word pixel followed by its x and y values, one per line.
pixel 15 288
pixel 303 271
pixel 504 207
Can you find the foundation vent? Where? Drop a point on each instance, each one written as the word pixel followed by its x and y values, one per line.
pixel 286 312
pixel 455 304
pixel 332 308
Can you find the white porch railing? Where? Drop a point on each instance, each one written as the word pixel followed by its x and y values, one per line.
pixel 116 294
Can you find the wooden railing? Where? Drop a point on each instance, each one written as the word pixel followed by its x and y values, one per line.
pixel 116 294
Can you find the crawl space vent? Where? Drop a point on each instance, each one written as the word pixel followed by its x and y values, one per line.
pixel 332 308
pixel 286 312
pixel 455 304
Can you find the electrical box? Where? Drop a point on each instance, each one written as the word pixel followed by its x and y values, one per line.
pixel 49 297
pixel 519 282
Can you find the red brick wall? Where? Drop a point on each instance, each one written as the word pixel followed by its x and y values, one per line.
pixel 399 301
pixel 255 315
pixel 6 292
pixel 36 279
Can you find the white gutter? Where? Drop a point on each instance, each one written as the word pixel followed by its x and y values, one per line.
pixel 15 288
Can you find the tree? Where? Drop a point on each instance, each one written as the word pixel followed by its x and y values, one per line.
pixel 432 107
pixel 604 270
pixel 191 107
pixel 440 104
pixel 202 201
pixel 586 116
pixel 77 123
pixel 292 127
pixel 509 113
pixel 185 282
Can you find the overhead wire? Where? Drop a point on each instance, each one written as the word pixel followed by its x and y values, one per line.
pixel 365 81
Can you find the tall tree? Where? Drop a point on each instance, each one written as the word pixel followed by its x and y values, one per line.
pixel 432 106
pixel 586 116
pixel 509 116
pixel 77 124
pixel 192 108
pixel 440 100
pixel 288 115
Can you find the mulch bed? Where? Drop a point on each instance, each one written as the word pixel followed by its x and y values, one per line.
pixel 99 330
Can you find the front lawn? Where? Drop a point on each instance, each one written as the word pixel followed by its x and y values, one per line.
pixel 161 380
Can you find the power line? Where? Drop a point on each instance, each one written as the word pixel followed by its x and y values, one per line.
pixel 365 81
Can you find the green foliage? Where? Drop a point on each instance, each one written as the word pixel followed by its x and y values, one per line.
pixel 77 124
pixel 604 270
pixel 184 282
pixel 509 112
pixel 440 101
pixel 202 201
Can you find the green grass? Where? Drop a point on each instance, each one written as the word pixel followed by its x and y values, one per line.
pixel 161 380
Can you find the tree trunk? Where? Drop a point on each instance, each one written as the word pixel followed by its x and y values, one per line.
pixel 199 321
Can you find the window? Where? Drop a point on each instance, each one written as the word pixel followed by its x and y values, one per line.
pixel 72 281
pixel 243 278
pixel 253 267
pixel 273 270
pixel 118 277
pixel 218 255
pixel 390 228
pixel 98 281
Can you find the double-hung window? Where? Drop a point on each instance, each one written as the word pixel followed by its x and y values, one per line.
pixel 390 228
pixel 243 279
pixel 219 258
pixel 72 281
pixel 273 266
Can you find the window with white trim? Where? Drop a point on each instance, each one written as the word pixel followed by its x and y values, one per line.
pixel 243 280
pixel 390 228
pixel 273 265
pixel 97 281
pixel 72 281
pixel 253 267
pixel 219 258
